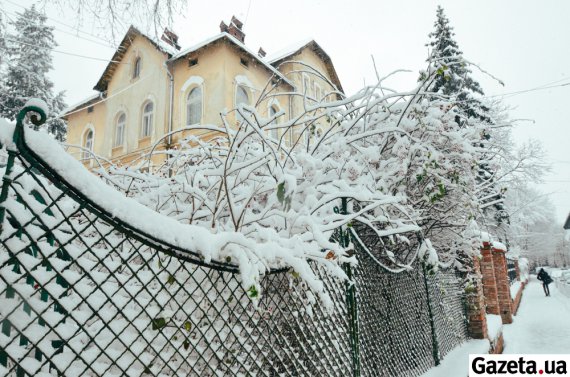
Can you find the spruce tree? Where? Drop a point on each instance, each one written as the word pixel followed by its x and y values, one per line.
pixel 2 41
pixel 455 81
pixel 28 62
pixel 455 78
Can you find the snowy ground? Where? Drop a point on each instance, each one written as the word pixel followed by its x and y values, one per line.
pixel 542 324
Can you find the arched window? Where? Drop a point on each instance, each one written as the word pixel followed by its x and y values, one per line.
pixel 274 132
pixel 147 119
pixel 88 144
pixel 120 130
pixel 137 68
pixel 241 98
pixel 194 106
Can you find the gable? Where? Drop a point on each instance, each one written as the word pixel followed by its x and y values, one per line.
pixel 305 51
pixel 132 35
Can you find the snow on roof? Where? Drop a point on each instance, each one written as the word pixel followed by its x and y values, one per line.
pixel 79 104
pixel 222 35
pixel 287 51
pixel 197 46
pixel 154 38
pixel 119 53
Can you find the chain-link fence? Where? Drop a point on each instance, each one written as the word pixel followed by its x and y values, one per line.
pixel 82 294
pixel 511 270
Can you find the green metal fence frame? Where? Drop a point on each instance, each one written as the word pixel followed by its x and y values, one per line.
pixel 342 235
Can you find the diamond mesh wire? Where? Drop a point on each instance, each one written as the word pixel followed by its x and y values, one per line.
pixel 396 336
pixel 448 305
pixel 82 298
pixel 511 270
pixel 82 294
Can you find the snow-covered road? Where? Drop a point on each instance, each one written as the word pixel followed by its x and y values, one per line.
pixel 542 324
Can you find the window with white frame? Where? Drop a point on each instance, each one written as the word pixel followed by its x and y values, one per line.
pixel 318 92
pixel 194 106
pixel 273 132
pixel 137 67
pixel 306 85
pixel 120 130
pixel 88 144
pixel 241 98
pixel 147 119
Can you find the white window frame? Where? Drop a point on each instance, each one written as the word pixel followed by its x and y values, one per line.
pixel 274 133
pixel 120 127
pixel 199 100
pixel 86 145
pixel 306 85
pixel 137 67
pixel 239 117
pixel 318 92
pixel 147 120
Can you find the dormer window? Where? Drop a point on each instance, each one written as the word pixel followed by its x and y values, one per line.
pixel 137 68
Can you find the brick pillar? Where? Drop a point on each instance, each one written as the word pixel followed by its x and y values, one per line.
pixel 489 281
pixel 476 304
pixel 503 286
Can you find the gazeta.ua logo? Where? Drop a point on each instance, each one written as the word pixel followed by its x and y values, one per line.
pixel 518 365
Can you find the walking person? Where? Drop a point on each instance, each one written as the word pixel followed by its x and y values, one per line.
pixel 546 279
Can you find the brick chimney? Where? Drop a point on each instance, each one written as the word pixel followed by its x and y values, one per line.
pixel 171 38
pixel 234 29
pixel 261 52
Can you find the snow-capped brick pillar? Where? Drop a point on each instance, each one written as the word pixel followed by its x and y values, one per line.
pixel 476 305
pixel 489 280
pixel 503 286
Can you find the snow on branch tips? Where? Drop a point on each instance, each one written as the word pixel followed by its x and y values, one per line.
pixel 401 161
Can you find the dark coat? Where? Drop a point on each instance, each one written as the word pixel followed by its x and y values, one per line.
pixel 544 277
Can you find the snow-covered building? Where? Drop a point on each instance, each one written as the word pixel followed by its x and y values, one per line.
pixel 152 88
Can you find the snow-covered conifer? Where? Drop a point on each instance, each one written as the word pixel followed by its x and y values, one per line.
pixel 454 80
pixel 28 61
pixel 454 76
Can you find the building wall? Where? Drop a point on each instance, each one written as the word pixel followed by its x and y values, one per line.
pixel 305 80
pixel 78 125
pixel 129 95
pixel 219 70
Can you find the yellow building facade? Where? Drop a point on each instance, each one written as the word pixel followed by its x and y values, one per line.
pixel 151 90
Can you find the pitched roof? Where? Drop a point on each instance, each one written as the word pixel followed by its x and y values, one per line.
pixel 229 38
pixel 280 56
pixel 128 39
pixel 92 99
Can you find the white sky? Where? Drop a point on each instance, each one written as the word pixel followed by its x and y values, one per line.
pixel 522 42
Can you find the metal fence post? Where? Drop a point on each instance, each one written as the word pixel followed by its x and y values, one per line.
pixel 6 325
pixel 351 303
pixel 435 345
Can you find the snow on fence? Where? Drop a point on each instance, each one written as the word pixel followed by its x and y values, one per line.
pixel 512 271
pixel 85 294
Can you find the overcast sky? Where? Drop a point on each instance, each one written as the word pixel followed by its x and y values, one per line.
pixel 525 43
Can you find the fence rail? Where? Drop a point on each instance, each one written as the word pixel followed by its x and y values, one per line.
pixel 82 294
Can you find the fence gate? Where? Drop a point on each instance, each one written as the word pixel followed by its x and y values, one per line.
pixel 84 294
